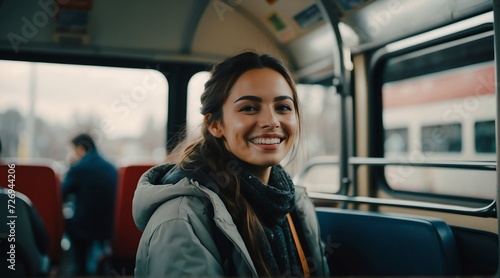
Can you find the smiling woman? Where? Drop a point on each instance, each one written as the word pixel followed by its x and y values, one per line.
pixel 251 121
pixel 398 115
pixel 52 102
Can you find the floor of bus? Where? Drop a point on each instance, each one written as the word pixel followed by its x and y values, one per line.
pixel 96 265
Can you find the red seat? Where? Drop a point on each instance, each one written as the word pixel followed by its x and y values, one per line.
pixel 126 235
pixel 42 186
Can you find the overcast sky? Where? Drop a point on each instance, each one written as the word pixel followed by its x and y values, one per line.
pixel 123 97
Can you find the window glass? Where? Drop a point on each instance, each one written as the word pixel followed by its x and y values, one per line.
pixel 322 178
pixel 396 140
pixel 484 134
pixel 45 105
pixel 442 138
pixel 195 88
pixel 320 106
pixel 444 97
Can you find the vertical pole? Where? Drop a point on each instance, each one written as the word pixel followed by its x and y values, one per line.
pixel 341 83
pixel 30 132
pixel 496 22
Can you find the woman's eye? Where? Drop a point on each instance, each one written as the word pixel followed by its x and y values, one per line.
pixel 248 109
pixel 284 107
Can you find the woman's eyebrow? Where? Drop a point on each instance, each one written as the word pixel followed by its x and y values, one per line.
pixel 252 98
pixel 258 99
pixel 280 98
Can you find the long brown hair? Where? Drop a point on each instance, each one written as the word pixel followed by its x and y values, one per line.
pixel 209 151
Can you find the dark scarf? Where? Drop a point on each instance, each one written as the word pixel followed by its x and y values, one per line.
pixel 271 203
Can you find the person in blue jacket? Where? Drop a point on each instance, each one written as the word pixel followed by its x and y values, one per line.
pixel 92 180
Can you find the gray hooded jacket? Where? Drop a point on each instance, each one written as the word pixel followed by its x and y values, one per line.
pixel 178 222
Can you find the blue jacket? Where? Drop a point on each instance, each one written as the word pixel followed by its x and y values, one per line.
pixel 93 182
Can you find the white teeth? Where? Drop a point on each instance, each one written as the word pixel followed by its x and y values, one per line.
pixel 266 141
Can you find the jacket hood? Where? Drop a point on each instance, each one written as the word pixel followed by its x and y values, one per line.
pixel 167 182
pixel 156 186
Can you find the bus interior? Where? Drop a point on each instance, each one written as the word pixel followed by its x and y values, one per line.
pixel 399 104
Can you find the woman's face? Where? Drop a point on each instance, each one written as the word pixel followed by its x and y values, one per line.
pixel 259 120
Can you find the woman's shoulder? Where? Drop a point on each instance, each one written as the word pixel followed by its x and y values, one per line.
pixel 300 193
pixel 181 211
pixel 185 199
pixel 165 202
pixel 303 203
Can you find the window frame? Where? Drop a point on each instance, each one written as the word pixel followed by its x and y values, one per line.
pixel 378 58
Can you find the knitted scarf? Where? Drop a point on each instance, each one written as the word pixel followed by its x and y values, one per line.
pixel 271 203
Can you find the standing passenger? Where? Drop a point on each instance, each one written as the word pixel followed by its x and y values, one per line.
pixel 222 208
pixel 92 180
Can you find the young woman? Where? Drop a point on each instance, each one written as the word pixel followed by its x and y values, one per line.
pixel 225 207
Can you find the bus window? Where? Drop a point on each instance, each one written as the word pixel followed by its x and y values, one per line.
pixel 320 106
pixel 484 135
pixel 195 89
pixel 44 105
pixel 440 92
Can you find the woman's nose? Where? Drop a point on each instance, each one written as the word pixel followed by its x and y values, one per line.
pixel 269 119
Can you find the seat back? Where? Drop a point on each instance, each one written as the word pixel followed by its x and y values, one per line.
pixel 126 235
pixel 20 256
pixel 42 186
pixel 373 244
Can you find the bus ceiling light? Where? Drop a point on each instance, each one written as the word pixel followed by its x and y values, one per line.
pixel 440 32
pixel 349 37
pixel 322 43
